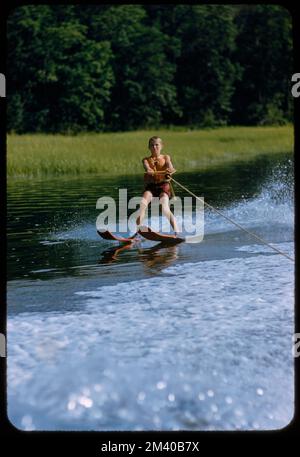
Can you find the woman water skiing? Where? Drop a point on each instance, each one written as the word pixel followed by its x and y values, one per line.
pixel 157 166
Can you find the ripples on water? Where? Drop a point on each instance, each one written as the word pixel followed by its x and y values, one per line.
pixel 148 338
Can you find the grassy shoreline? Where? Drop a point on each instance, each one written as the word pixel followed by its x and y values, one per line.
pixel 121 153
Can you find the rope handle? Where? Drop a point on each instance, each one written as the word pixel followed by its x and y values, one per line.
pixel 167 175
pixel 161 172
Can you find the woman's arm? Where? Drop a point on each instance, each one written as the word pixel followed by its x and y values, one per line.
pixel 170 168
pixel 147 168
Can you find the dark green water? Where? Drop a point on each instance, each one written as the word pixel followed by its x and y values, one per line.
pixel 51 222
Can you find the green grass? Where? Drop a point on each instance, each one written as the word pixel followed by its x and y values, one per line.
pixel 121 153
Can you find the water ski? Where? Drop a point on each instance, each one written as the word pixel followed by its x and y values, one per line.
pixel 107 235
pixel 150 234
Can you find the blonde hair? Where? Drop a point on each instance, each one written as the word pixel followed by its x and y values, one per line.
pixel 153 139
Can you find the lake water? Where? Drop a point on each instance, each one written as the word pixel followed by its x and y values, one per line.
pixel 185 337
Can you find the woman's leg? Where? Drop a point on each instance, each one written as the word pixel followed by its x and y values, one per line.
pixel 146 199
pixel 164 201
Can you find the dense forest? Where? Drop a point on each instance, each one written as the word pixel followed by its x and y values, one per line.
pixel 75 68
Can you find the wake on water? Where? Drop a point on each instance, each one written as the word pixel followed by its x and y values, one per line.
pixel 272 208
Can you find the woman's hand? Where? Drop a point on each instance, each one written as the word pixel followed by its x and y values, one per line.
pixel 170 171
pixel 169 166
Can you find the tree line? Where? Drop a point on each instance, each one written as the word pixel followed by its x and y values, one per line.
pixel 74 68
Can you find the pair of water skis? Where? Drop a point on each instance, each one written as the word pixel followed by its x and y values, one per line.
pixel 145 232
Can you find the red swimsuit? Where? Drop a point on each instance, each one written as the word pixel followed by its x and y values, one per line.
pixel 157 184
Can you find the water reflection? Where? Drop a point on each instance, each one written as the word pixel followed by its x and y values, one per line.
pixel 153 259
pixel 158 257
pixel 111 255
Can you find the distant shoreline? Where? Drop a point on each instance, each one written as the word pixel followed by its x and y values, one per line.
pixel 38 155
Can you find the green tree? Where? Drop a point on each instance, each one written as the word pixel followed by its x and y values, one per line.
pixel 205 71
pixel 22 35
pixel 62 78
pixel 144 93
pixel 118 67
pixel 264 50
